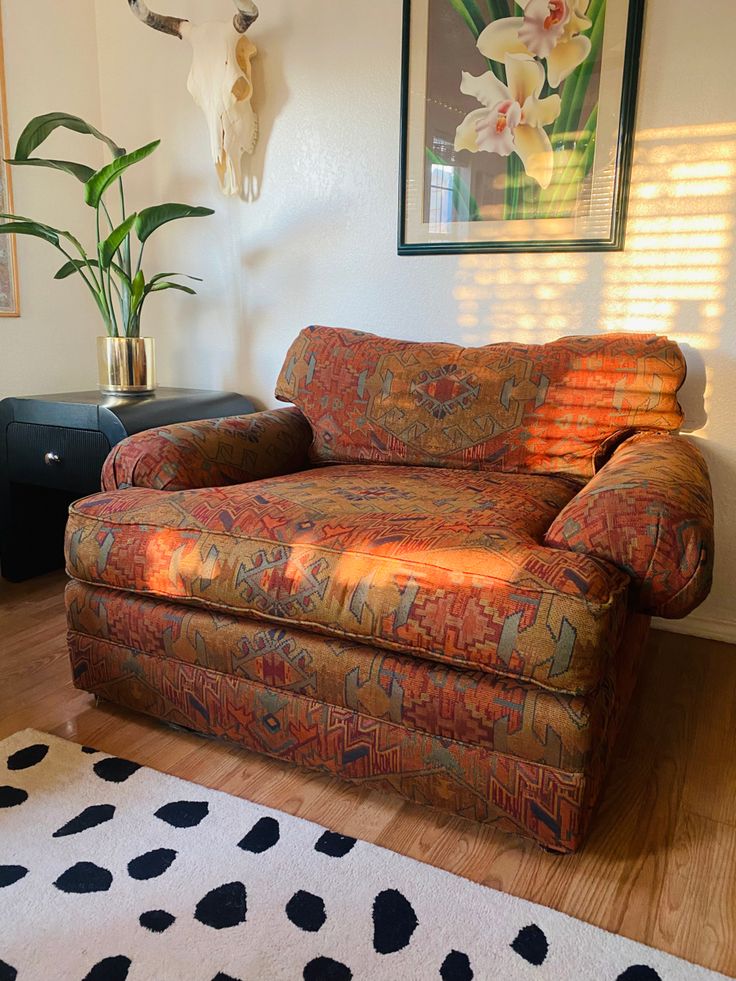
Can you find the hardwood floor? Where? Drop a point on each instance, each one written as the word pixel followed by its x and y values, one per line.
pixel 659 866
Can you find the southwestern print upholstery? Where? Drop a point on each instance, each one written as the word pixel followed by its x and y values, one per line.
pixel 211 453
pixel 552 408
pixel 291 722
pixel 453 569
pixel 473 707
pixel 650 512
pixel 300 583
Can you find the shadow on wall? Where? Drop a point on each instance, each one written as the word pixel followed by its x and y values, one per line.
pixel 270 99
pixel 673 277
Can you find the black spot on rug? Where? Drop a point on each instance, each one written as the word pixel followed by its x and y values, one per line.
pixel 223 907
pixel 115 770
pixel 152 864
pixel 84 877
pixel 394 921
pixel 183 813
pixel 325 969
pixel 639 972
pixel 306 911
pixel 110 969
pixel 156 920
pixel 90 817
pixel 24 759
pixel 334 845
pixel 12 796
pixel 456 967
pixel 263 835
pixel 7 973
pixel 10 874
pixel 531 944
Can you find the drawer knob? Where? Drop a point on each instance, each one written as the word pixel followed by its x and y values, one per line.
pixel 51 459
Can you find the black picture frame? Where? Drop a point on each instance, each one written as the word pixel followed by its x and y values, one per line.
pixel 627 120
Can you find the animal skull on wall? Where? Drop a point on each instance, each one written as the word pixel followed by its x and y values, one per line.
pixel 220 82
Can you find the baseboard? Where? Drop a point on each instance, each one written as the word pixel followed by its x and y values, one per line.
pixel 708 627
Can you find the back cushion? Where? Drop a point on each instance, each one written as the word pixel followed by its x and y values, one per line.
pixel 523 408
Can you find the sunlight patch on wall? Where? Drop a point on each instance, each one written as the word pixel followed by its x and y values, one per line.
pixel 672 277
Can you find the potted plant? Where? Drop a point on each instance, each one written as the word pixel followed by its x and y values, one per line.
pixel 114 273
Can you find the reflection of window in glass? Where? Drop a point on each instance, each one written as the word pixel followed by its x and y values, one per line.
pixel 441 183
pixel 447 202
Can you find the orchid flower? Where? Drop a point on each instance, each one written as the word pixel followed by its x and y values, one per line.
pixel 512 117
pixel 549 29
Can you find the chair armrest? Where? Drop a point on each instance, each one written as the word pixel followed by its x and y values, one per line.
pixel 649 511
pixel 211 452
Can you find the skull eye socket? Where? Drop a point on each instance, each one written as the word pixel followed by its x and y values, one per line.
pixel 242 89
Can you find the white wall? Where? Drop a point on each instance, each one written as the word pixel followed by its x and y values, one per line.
pixel 50 65
pixel 318 245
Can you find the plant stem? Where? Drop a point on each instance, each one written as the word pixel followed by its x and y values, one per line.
pixel 106 293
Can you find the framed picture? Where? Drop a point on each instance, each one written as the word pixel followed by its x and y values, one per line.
pixel 517 124
pixel 9 302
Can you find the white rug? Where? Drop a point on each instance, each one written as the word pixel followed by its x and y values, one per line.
pixel 110 871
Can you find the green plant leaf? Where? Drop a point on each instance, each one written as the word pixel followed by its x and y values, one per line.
pixel 34 228
pixel 81 171
pixel 152 218
pixel 155 279
pixel 41 127
pixel 114 240
pixel 100 181
pixel 138 292
pixel 163 285
pixel 74 265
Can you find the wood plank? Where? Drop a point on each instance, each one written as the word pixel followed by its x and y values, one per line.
pixel 660 863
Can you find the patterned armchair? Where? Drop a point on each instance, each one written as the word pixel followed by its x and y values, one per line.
pixel 432 573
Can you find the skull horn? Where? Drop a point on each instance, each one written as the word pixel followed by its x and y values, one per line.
pixel 247 15
pixel 169 25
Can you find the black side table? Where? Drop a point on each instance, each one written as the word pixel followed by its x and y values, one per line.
pixel 52 448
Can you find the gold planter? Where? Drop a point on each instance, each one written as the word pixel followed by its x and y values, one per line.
pixel 126 365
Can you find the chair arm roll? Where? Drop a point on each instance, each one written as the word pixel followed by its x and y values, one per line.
pixel 211 452
pixel 648 511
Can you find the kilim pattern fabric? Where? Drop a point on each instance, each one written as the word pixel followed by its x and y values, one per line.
pixel 551 804
pixel 521 408
pixel 452 568
pixel 513 717
pixel 211 453
pixel 650 512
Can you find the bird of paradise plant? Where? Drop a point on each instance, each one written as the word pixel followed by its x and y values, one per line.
pixel 541 56
pixel 113 275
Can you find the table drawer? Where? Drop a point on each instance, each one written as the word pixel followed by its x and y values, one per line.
pixel 51 456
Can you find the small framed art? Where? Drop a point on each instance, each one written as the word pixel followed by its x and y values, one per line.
pixel 517 124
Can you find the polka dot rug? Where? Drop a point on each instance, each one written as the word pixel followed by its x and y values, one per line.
pixel 110 871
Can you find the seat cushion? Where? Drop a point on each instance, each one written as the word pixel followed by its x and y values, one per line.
pixel 513 717
pixel 532 408
pixel 441 564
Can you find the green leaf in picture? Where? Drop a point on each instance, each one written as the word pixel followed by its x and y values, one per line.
pixel 34 228
pixel 41 127
pixel 152 218
pixel 102 179
pixel 81 171
pixel 114 240
pixel 463 8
